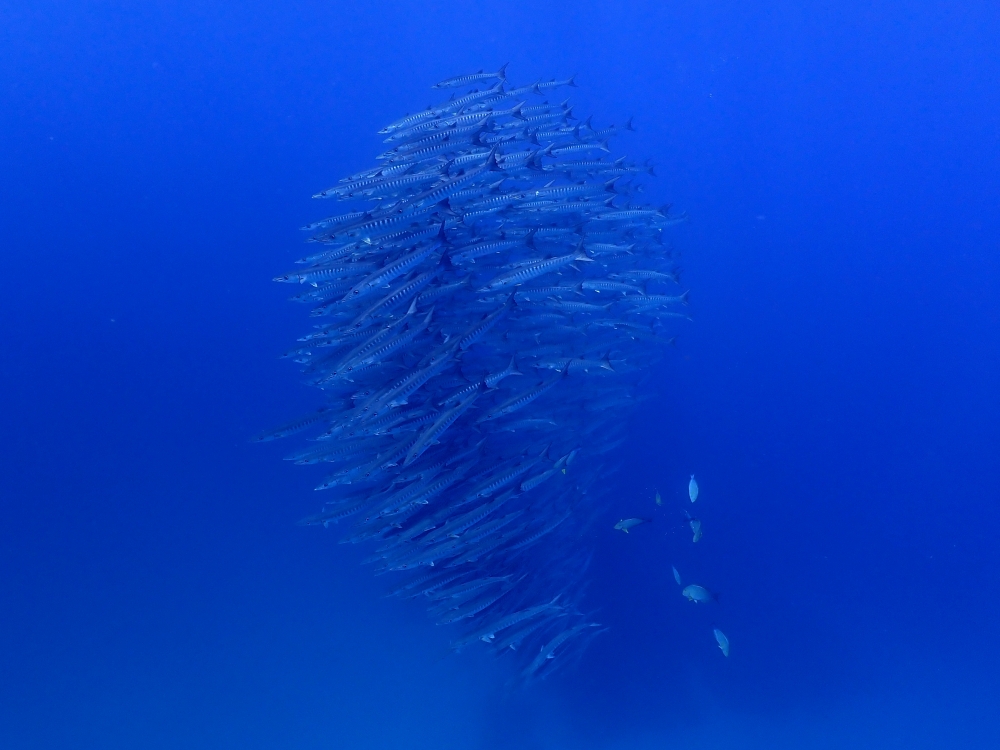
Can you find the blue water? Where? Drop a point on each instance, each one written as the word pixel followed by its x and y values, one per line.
pixel 836 394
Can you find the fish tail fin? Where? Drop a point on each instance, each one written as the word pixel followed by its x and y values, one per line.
pixel 491 163
pixel 628 125
pixel 502 73
pixel 604 145
pixel 684 297
pixel 515 111
pixel 572 81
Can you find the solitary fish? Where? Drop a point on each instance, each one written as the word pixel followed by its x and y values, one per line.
pixel 698 594
pixel 693 489
pixel 723 642
pixel 659 500
pixel 677 576
pixel 695 525
pixel 627 523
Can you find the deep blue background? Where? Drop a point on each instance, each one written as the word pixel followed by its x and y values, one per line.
pixel 837 394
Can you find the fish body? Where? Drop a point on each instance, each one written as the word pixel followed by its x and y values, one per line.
pixel 531 271
pixel 468 80
pixel 698 594
pixel 723 642
pixel 295 426
pixel 677 575
pixel 695 525
pixel 692 489
pixel 630 523
pixel 520 401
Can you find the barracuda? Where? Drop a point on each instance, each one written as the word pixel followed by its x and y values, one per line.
pixel 491 242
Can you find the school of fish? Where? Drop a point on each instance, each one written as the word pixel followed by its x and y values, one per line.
pixel 485 312
pixel 693 592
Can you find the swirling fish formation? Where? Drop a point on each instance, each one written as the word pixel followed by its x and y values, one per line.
pixel 484 321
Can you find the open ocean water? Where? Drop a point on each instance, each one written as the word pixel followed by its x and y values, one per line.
pixel 835 393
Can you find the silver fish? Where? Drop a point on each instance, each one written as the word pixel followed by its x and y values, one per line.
pixel 723 642
pixel 468 80
pixel 698 594
pixel 630 523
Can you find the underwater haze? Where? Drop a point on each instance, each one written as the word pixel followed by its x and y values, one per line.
pixel 824 190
